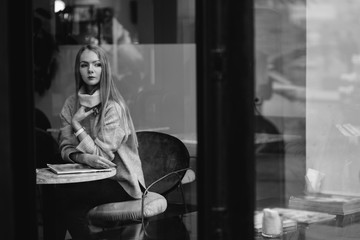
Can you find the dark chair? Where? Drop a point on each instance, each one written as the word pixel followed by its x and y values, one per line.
pixel 41 120
pixel 46 148
pixel 46 151
pixel 165 162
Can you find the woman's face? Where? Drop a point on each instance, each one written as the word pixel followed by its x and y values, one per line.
pixel 90 69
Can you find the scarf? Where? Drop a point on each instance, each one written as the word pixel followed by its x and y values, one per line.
pixel 90 101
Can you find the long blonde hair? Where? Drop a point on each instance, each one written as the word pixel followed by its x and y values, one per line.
pixel 108 91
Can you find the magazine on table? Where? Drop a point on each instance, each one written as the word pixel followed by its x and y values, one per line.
pixel 292 217
pixel 71 168
pixel 329 203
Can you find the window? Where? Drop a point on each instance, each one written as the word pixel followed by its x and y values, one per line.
pixel 307 126
pixel 151 46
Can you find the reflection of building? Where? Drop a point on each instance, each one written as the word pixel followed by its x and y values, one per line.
pixel 112 32
pixel 77 24
pixel 89 23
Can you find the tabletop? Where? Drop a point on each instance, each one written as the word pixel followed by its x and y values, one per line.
pixel 331 230
pixel 342 227
pixel 46 176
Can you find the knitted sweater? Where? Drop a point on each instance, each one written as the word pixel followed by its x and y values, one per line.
pixel 115 137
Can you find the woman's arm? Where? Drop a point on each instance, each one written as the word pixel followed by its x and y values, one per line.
pixel 67 140
pixel 92 160
pixel 80 115
pixel 68 143
pixel 109 140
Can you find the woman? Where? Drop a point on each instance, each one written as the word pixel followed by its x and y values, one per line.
pixel 97 130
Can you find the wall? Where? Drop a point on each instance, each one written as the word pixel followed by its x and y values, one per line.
pixel 168 69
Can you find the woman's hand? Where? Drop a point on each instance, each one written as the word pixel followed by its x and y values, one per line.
pixel 95 161
pixel 80 115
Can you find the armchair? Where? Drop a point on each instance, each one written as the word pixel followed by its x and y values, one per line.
pixel 165 162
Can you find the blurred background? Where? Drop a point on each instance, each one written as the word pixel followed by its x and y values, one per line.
pixel 307 66
pixel 151 46
pixel 307 89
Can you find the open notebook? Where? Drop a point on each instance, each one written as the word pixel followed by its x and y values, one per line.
pixel 70 168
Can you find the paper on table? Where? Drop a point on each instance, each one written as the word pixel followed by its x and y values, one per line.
pixel 303 216
pixel 313 180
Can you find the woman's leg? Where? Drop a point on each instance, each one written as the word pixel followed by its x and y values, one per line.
pixel 53 224
pixel 79 198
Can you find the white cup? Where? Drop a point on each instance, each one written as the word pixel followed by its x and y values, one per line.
pixel 272 226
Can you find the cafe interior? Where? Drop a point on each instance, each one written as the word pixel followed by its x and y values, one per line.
pixel 254 102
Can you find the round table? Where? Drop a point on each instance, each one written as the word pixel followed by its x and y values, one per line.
pixel 46 176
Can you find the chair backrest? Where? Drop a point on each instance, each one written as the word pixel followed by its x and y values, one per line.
pixel 41 120
pixel 160 154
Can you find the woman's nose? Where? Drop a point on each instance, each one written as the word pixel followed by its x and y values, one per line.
pixel 91 68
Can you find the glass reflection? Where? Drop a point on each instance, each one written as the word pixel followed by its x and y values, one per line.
pixel 153 62
pixel 332 95
pixel 307 94
pixel 280 70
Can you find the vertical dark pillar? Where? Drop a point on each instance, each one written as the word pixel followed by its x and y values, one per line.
pixel 241 164
pixel 17 137
pixel 6 200
pixel 165 21
pixel 157 21
pixel 225 119
pixel 145 21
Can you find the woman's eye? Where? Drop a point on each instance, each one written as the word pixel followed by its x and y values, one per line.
pixel 97 64
pixel 83 65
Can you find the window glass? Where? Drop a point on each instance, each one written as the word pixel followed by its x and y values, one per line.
pixel 332 117
pixel 307 104
pixel 154 68
pixel 280 106
pixel 151 46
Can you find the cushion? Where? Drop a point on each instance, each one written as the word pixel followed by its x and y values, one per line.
pixel 188 177
pixel 111 213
